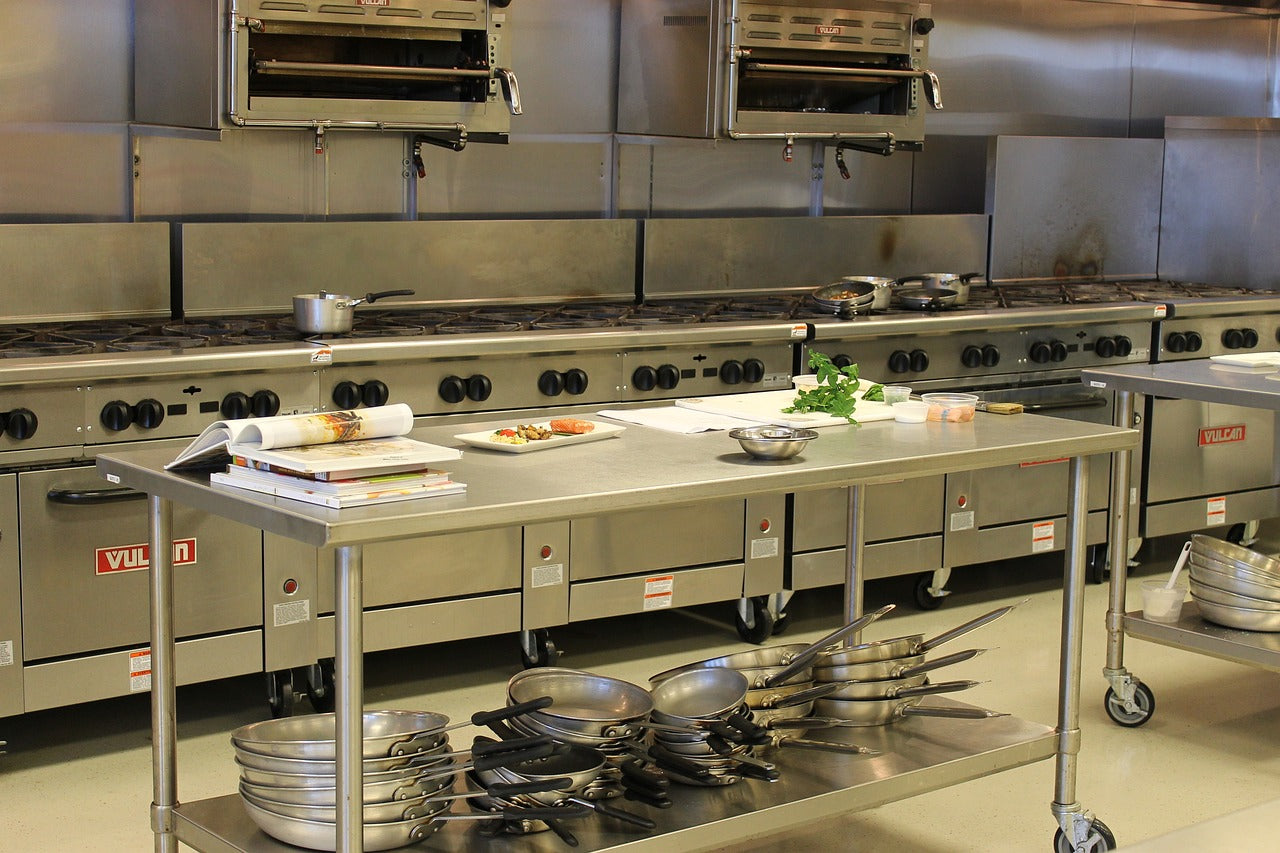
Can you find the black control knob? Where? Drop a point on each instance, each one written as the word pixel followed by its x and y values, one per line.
pixel 899 361
pixel 235 405
pixel 1040 352
pixel 1057 351
pixel 374 393
pixel 644 378
pixel 1175 342
pixel 731 372
pixel 346 395
pixel 990 355
pixel 752 370
pixel 21 424
pixel 148 413
pixel 668 376
pixel 919 360
pixel 551 383
pixel 479 387
pixel 452 389
pixel 924 26
pixel 115 416
pixel 4 421
pixel 1194 342
pixel 971 357
pixel 1105 347
pixel 1250 338
pixel 842 361
pixel 1233 339
pixel 1124 346
pixel 265 404
pixel 575 381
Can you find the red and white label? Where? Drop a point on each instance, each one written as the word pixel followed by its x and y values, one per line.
pixel 1221 435
pixel 658 592
pixel 799 331
pixel 1042 462
pixel 1215 511
pixel 135 558
pixel 1041 537
pixel 140 671
pixel 828 31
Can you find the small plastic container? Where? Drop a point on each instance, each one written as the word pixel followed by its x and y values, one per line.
pixel 911 412
pixel 955 408
pixel 1160 603
pixel 894 394
pixel 805 382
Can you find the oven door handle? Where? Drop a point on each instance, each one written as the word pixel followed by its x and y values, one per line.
pixel 835 70
pixel 338 69
pixel 1091 402
pixel 94 497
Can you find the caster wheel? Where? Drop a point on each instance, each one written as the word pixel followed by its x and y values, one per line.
pixel 1142 697
pixel 280 697
pixel 543 652
pixel 1099 833
pixel 781 622
pixel 761 624
pixel 320 690
pixel 925 599
pixel 1096 570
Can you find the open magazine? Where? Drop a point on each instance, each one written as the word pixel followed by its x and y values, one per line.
pixel 317 443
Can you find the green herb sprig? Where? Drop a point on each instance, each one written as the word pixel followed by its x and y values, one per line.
pixel 836 393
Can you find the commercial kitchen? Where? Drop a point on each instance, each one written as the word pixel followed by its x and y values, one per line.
pixel 634 207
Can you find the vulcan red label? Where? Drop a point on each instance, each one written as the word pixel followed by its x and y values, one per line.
pixel 828 31
pixel 1221 435
pixel 373 2
pixel 135 558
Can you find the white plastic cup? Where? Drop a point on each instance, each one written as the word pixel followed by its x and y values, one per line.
pixel 1161 603
pixel 911 412
pixel 896 394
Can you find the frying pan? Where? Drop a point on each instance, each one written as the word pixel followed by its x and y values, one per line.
pixel 327 313
pixel 419 760
pixel 948 280
pixel 879 712
pixel 580 697
pixel 927 298
pixel 385 791
pixel 911 644
pixel 701 694
pixel 883 670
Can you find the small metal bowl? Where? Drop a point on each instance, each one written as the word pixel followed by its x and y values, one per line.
pixel 773 441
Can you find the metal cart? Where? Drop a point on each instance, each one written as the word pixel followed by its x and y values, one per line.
pixel 641 469
pixel 1128 701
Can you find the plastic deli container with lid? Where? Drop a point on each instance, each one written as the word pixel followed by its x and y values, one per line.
pixel 956 408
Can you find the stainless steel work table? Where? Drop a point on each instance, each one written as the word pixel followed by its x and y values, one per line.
pixel 640 469
pixel 1130 702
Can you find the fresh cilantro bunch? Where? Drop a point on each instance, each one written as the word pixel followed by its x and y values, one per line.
pixel 836 393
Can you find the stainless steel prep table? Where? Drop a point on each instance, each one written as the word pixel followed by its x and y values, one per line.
pixel 642 468
pixel 1129 701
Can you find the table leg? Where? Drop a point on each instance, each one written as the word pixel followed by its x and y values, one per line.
pixel 164 716
pixel 348 565
pixel 1064 792
pixel 1118 540
pixel 853 595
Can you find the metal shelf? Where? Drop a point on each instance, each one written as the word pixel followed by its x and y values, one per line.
pixel 918 755
pixel 1193 634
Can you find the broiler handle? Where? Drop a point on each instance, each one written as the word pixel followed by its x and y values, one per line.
pixel 932 89
pixel 511 88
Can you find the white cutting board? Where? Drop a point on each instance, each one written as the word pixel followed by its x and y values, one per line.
pixel 765 407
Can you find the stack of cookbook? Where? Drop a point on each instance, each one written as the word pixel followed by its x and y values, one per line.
pixel 333 459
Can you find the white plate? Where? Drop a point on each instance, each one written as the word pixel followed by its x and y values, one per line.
pixel 485 439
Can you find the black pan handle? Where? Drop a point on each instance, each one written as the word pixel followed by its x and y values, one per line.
pixel 94 497
pixel 489 762
pixel 634 771
pixel 504 790
pixel 495 747
pixel 657 802
pixel 483 718
pixel 753 733
pixel 616 814
pixel 678 763
pixel 766 774
pixel 565 835
pixel 381 294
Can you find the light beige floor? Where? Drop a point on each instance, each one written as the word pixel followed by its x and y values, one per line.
pixel 79 778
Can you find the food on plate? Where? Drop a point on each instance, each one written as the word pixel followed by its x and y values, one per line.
pixel 507 436
pixel 572 426
pixel 522 434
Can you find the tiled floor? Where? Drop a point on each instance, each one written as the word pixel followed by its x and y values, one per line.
pixel 79 778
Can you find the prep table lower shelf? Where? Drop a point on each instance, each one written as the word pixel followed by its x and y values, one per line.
pixel 1192 633
pixel 918 754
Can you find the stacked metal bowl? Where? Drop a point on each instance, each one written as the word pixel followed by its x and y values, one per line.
pixel 1233 585
pixel 288 780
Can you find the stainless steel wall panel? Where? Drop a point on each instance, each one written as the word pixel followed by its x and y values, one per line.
pixel 950 175
pixel 769 254
pixel 64 172
pixel 876 184
pixel 1220 205
pixel 565 53
pixel 1075 207
pixel 366 176
pixel 103 270
pixel 1200 62
pixel 181 90
pixel 730 178
pixel 1009 65
pixel 540 178
pixel 257 267
pixel 11 699
pixel 65 62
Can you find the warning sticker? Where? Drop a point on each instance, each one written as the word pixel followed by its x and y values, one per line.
pixel 6 653
pixel 323 355
pixel 551 574
pixel 962 520
pixel 800 330
pixel 658 592
pixel 291 612
pixel 1041 536
pixel 140 671
pixel 764 548
pixel 1216 511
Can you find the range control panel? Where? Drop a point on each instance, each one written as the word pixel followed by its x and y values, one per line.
pixel 1200 337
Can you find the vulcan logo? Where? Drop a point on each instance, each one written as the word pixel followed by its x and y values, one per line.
pixel 1221 435
pixel 828 31
pixel 135 558
pixel 373 2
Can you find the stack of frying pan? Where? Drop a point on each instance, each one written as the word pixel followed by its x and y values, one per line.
pixel 288 776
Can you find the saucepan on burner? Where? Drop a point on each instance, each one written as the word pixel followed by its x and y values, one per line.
pixel 327 313
pixel 935 283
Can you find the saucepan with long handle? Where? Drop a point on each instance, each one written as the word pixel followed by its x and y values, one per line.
pixel 327 313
